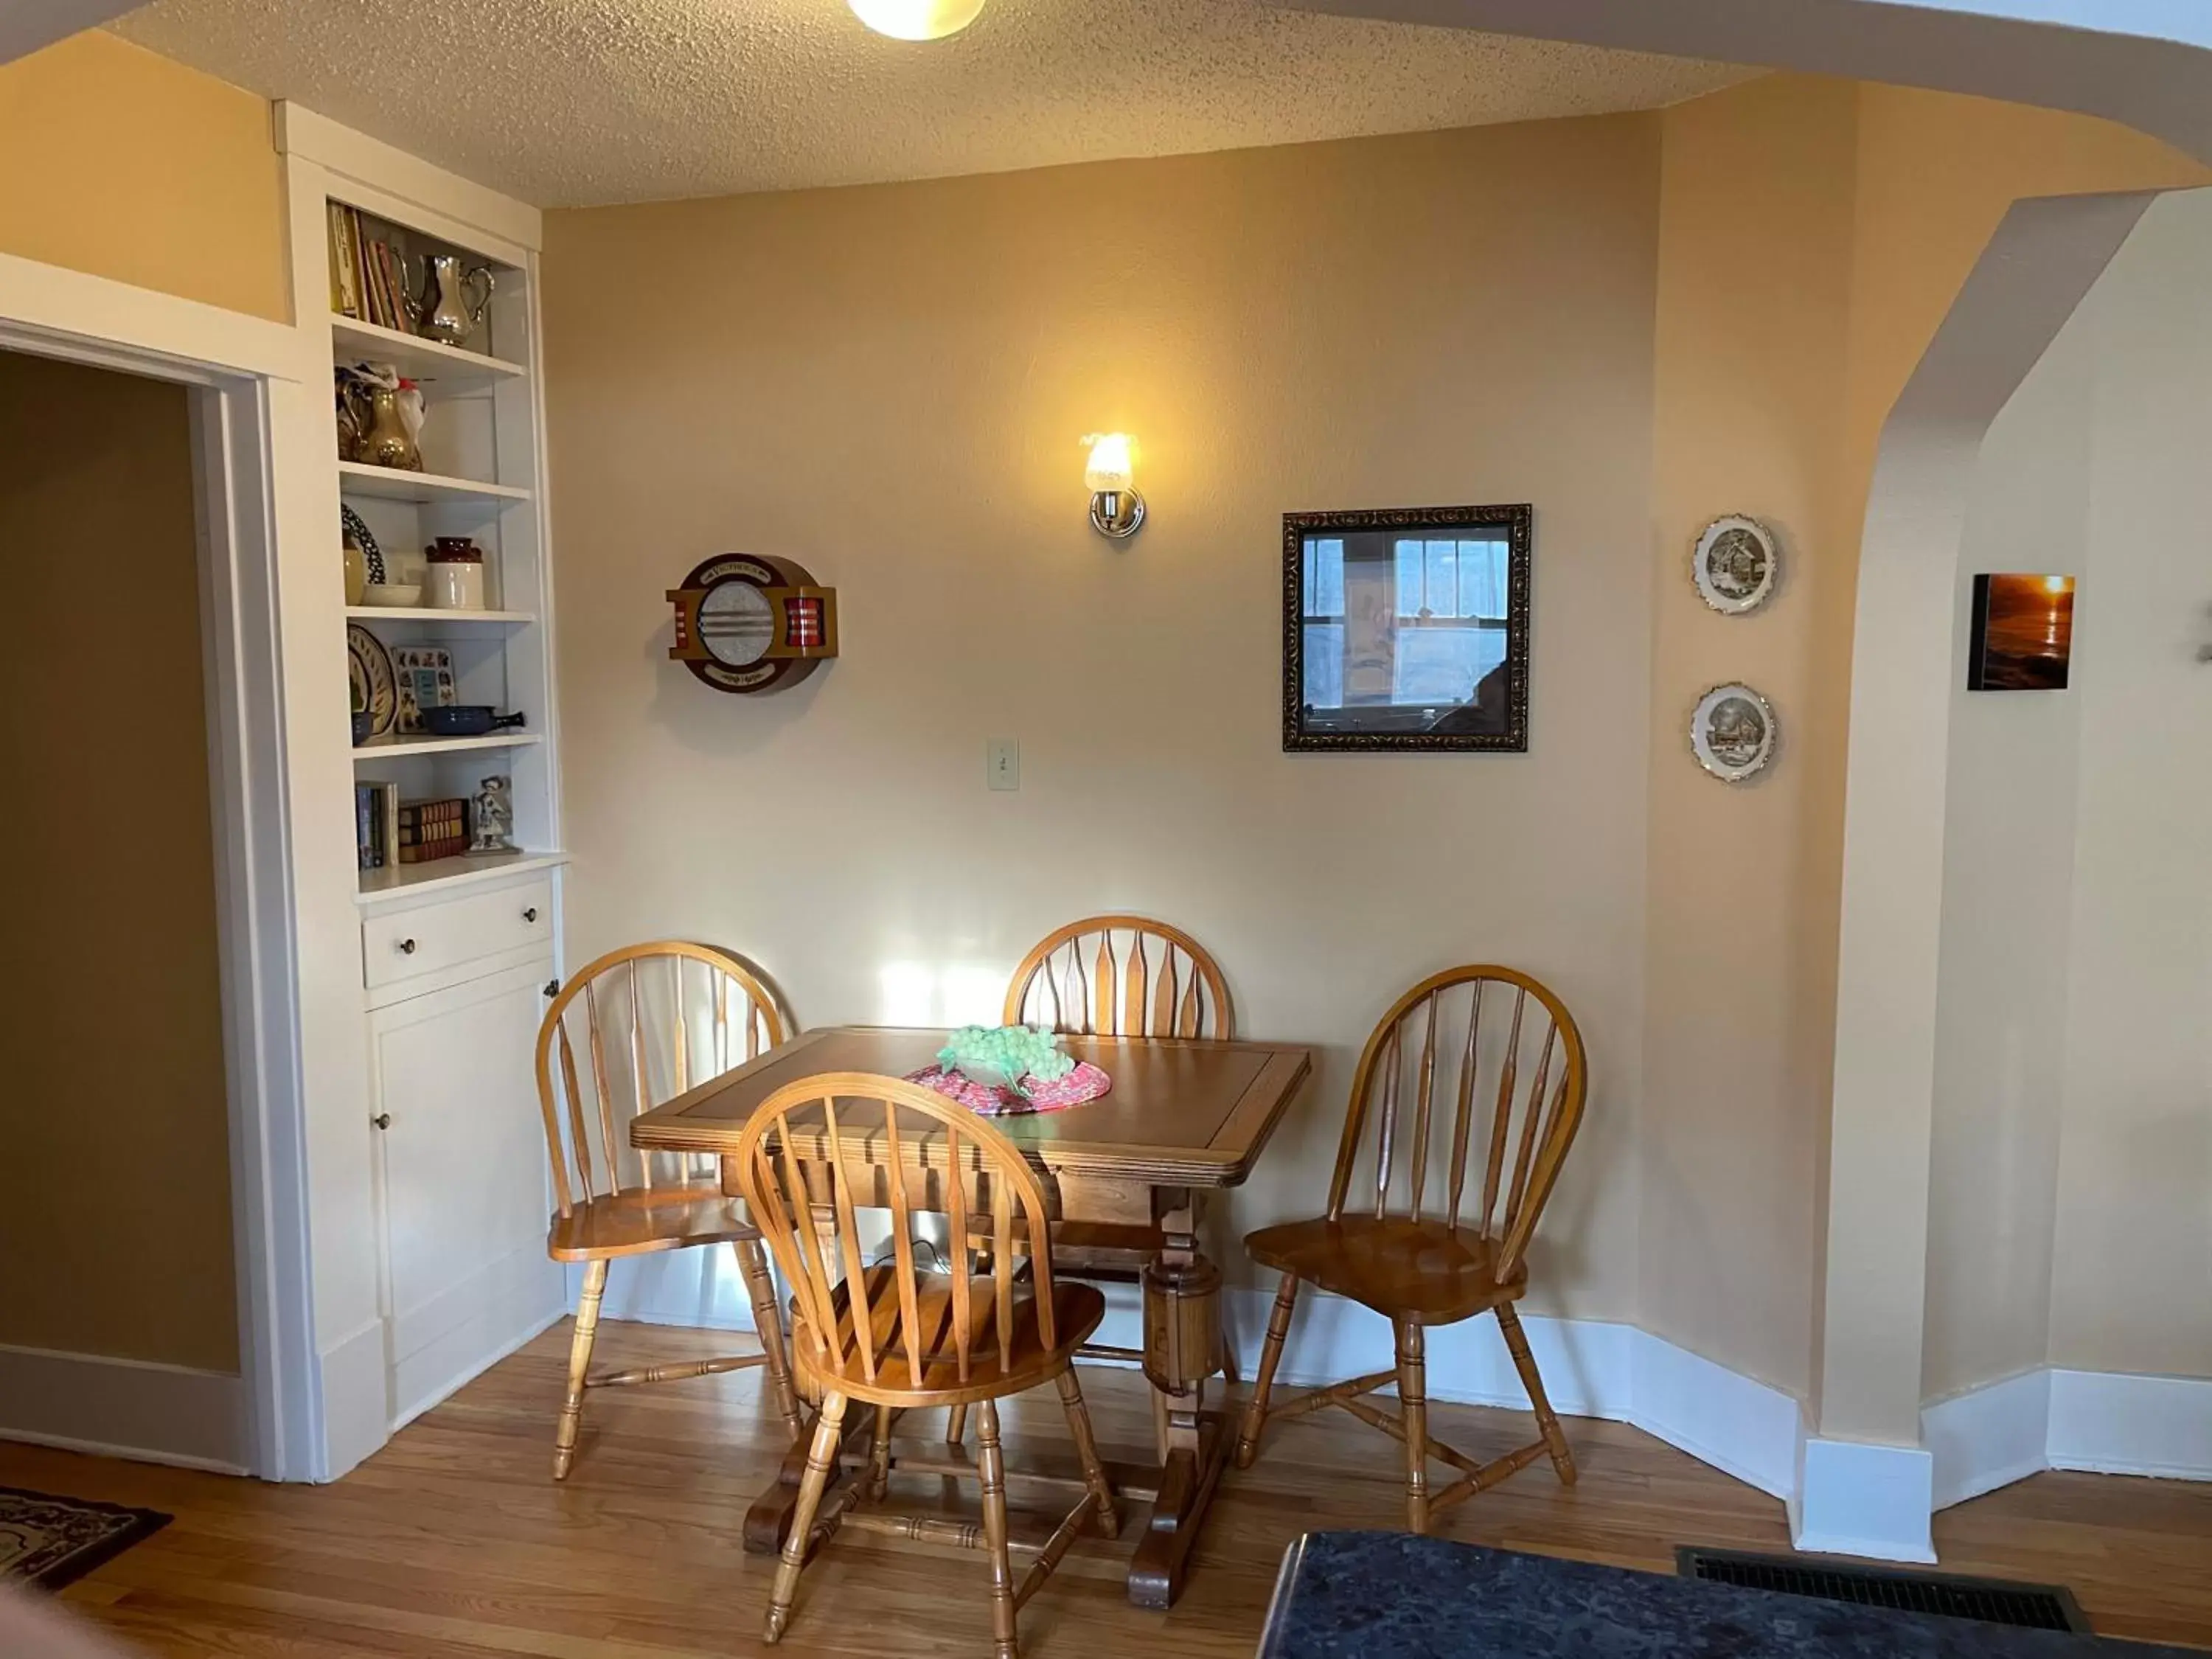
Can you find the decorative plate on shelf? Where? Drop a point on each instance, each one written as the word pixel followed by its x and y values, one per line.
pixel 1736 564
pixel 374 686
pixel 1732 732
pixel 372 556
pixel 425 676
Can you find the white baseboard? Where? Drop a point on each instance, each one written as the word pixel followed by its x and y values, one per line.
pixel 1988 1437
pixel 2109 1423
pixel 2114 1424
pixel 133 1408
pixel 356 1396
pixel 1591 1368
pixel 1864 1500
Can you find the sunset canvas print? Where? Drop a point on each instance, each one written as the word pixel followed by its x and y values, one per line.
pixel 2023 634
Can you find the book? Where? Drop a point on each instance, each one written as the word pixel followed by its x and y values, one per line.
pixel 364 828
pixel 345 279
pixel 395 292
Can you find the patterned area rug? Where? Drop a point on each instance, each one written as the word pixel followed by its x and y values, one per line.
pixel 47 1540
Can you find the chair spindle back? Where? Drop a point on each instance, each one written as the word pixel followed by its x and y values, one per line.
pixel 861 1141
pixel 1478 1065
pixel 649 1021
pixel 1122 976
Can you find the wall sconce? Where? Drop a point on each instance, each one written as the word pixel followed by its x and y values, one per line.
pixel 1116 509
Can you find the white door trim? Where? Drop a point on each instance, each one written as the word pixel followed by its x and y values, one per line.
pixel 241 370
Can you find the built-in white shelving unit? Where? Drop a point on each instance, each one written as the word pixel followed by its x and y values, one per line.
pixel 430 1206
pixel 459 873
pixel 426 616
pixel 450 369
pixel 481 445
pixel 388 748
pixel 385 483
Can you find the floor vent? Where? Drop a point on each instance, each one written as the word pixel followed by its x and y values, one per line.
pixel 1992 1601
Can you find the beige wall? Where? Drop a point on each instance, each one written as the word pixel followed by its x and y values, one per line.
pixel 1754 298
pixel 889 384
pixel 119 1207
pixel 126 164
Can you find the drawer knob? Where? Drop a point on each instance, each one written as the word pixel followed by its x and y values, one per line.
pixel 382 1119
pixel 406 947
pixel 530 915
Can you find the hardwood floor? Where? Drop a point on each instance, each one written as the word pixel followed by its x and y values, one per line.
pixel 454 1540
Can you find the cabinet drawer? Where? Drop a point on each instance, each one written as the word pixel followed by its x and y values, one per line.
pixel 403 943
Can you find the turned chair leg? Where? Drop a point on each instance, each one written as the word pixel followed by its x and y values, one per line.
pixel 1271 1355
pixel 1086 1452
pixel 879 1456
pixel 993 1471
pixel 768 1325
pixel 1413 1408
pixel 579 1363
pixel 955 1426
pixel 1555 1437
pixel 821 1456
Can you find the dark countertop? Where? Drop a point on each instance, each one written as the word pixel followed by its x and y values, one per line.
pixel 1391 1595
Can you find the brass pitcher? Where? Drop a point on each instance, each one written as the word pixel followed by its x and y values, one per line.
pixel 387 437
pixel 449 306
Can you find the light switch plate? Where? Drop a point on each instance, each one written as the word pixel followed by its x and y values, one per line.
pixel 1002 762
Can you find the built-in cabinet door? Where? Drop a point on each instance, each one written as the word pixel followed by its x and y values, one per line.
pixel 462 1175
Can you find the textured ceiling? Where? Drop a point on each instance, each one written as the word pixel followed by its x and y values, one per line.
pixel 566 102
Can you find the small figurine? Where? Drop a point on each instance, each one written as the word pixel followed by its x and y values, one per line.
pixel 492 817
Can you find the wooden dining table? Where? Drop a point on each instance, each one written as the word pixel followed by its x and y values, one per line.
pixel 1126 1177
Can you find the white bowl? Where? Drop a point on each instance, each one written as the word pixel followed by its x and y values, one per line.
pixel 392 594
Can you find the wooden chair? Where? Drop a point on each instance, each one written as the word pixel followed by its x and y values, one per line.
pixel 656 1020
pixel 894 1337
pixel 1122 976
pixel 1421 1261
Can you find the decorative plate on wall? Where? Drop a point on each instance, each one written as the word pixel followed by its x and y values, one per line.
pixel 374 686
pixel 1736 565
pixel 371 555
pixel 1732 732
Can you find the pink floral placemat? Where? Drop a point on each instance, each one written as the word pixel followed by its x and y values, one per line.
pixel 1085 1083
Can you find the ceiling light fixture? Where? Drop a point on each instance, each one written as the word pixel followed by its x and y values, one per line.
pixel 916 20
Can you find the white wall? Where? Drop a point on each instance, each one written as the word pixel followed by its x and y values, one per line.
pixel 2007 875
pixel 2132 1270
pixel 2072 1139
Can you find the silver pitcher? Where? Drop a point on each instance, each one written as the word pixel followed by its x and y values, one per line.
pixel 448 308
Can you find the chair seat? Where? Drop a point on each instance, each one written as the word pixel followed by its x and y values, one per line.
pixel 1077 1309
pixel 1424 1270
pixel 642 1221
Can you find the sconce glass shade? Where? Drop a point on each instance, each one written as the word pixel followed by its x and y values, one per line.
pixel 1112 465
pixel 1116 509
pixel 916 20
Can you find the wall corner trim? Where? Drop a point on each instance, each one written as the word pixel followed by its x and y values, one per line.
pixel 1855 1498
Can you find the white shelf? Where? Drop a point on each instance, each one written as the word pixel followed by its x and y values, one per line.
pixel 378 748
pixel 457 871
pixel 450 368
pixel 391 484
pixel 423 613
